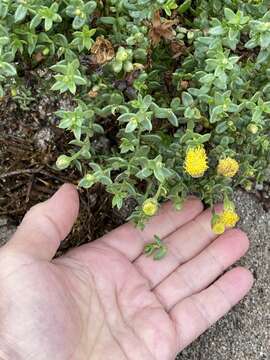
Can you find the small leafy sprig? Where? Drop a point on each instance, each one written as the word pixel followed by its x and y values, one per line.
pixel 80 12
pixel 70 76
pixel 47 14
pixel 157 249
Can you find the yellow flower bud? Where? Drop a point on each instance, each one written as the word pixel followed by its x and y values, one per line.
pixel 229 218
pixel 150 207
pixel 78 12
pixel 253 129
pixel 196 162
pixel 228 167
pixel 218 228
pixel 248 185
pixel 13 92
pixel 122 54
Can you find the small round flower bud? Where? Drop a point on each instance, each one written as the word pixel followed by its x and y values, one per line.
pixel 13 92
pixel 248 186
pixel 150 207
pixel 218 228
pixel 46 51
pixel 122 55
pixel 117 66
pixel 252 128
pixel 128 66
pixel 78 12
pixel 63 162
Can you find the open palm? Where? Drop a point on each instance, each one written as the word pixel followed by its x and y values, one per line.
pixel 106 300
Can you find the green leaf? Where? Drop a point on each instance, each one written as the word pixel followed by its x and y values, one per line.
pixel 131 126
pixel 144 173
pixel 187 99
pixel 20 13
pixel 229 14
pixel 222 127
pixel 265 40
pixel 87 182
pixel 78 22
pixel 256 117
pixel 160 253
pixel 90 7
pixel 185 6
pixel 48 24
pixel 107 20
pixel 35 21
pixel 173 119
pixel 7 69
pixel 217 30
pixel 118 201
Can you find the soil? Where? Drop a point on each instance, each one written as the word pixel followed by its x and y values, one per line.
pixel 30 143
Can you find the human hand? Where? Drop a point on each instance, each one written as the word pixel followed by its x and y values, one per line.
pixel 106 300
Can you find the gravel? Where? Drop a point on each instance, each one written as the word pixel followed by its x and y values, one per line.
pixel 244 334
pixel 6 230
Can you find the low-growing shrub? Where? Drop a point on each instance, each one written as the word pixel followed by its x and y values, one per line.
pixel 180 88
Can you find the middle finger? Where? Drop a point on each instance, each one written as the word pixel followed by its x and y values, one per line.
pixel 185 243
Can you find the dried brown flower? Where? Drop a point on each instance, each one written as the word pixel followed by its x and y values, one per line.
pixel 39 57
pixel 178 48
pixel 93 94
pixel 102 50
pixel 161 29
pixel 184 84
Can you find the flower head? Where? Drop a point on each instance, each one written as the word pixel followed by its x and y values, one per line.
pixel 150 207
pixel 218 228
pixel 253 128
pixel 229 218
pixel 196 162
pixel 228 167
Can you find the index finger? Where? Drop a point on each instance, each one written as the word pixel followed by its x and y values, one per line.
pixel 130 240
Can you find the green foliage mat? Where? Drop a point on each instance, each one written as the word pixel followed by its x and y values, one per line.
pixel 176 87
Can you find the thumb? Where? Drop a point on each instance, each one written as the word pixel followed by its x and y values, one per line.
pixel 47 224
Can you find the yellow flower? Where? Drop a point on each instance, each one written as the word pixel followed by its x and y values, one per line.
pixel 218 228
pixel 196 162
pixel 150 207
pixel 229 218
pixel 228 167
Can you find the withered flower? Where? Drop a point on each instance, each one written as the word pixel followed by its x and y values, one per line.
pixel 102 50
pixel 93 94
pixel 184 84
pixel 161 29
pixel 178 48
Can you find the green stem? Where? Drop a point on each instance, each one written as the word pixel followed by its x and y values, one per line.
pixel 158 191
